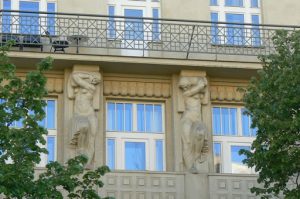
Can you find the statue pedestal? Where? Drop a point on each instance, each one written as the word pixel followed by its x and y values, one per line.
pixel 196 186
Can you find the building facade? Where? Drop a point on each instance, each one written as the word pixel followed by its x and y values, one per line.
pixel 149 88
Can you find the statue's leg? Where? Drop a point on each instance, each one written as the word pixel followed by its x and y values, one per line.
pixel 186 143
pixel 91 140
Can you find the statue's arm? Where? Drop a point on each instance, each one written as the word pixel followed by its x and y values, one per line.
pixel 196 89
pixel 79 80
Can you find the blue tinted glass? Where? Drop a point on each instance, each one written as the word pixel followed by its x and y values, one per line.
pixel 255 31
pixel 217 121
pixel 245 123
pixel 236 160
pixel 254 131
pixel 213 2
pixel 149 117
pixel 51 114
pixel 140 118
pixel 51 148
pixel 111 117
pixel 159 155
pixel 111 153
pixel 135 156
pixel 111 22
pixel 6 16
pixel 254 3
pixel 217 157
pixel 235 33
pixel 233 121
pixel 120 117
pixel 51 18
pixel 157 124
pixel 134 28
pixel 238 3
pixel 155 26
pixel 19 124
pixel 225 121
pixel 128 117
pixel 214 29
pixel 29 22
pixel 43 122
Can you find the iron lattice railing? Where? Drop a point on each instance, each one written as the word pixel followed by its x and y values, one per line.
pixel 129 36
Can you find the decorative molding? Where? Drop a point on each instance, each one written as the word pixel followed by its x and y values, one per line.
pixel 226 93
pixel 136 89
pixel 54 85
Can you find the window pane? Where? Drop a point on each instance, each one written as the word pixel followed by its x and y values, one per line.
pixel 51 149
pixel 43 122
pixel 155 26
pixel 238 3
pixel 235 33
pixel 157 126
pixel 29 22
pixel 159 155
pixel 245 123
pixel 255 31
pixel 254 3
pixel 51 18
pixel 111 153
pixel 236 160
pixel 50 114
pixel 6 17
pixel 111 22
pixel 135 156
pixel 214 29
pixel 111 117
pixel 217 121
pixel 134 28
pixel 149 117
pixel 225 121
pixel 140 118
pixel 128 117
pixel 120 117
pixel 217 157
pixel 213 2
pixel 233 121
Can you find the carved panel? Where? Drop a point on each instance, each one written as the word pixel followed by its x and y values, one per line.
pixel 54 85
pixel 226 93
pixel 137 89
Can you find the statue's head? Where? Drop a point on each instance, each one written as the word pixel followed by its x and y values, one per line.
pixel 185 83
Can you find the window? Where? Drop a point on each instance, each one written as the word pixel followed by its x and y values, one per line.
pixel 134 27
pixel 236 11
pixel 231 132
pixel 135 136
pixel 6 27
pixel 213 2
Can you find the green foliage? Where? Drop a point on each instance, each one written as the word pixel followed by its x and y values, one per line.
pixel 22 98
pixel 273 101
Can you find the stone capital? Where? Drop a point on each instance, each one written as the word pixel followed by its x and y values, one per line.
pixel 192 73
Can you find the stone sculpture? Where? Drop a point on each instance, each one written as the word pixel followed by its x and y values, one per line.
pixel 194 131
pixel 82 88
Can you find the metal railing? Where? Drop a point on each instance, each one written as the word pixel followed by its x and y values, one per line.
pixel 129 36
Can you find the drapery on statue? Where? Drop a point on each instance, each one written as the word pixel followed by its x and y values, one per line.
pixel 82 88
pixel 194 131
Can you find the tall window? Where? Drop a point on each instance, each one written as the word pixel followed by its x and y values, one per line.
pixel 135 136
pixel 231 132
pixel 237 12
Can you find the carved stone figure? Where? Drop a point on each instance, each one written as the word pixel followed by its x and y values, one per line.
pixel 194 131
pixel 82 88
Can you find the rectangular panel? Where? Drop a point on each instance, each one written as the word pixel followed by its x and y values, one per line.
pixel 256 41
pixel 134 27
pixel 233 121
pixel 245 124
pixel 111 22
pixel 155 25
pixel 135 156
pixel 216 121
pixel 225 121
pixel 51 117
pixel 235 33
pixel 254 4
pixel 237 165
pixel 111 117
pixel 140 117
pixel 51 149
pixel 128 117
pixel 213 2
pixel 29 22
pixel 214 27
pixel 51 18
pixel 217 157
pixel 120 117
pixel 149 117
pixel 159 155
pixel 6 19
pixel 158 120
pixel 110 161
pixel 235 3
